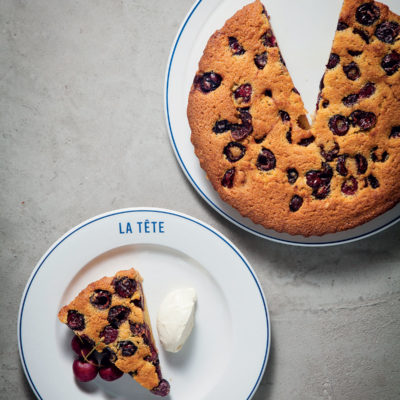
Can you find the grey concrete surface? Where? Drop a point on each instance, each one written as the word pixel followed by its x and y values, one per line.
pixel 83 132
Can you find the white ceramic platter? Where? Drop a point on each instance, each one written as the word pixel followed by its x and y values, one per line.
pixel 226 354
pixel 305 31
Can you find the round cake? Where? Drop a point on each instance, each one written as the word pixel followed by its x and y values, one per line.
pixel 252 137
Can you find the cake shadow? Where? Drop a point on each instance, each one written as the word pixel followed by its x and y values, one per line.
pixel 345 258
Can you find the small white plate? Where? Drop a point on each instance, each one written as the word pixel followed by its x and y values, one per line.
pixel 226 354
pixel 316 30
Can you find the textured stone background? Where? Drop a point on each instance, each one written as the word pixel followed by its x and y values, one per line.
pixel 83 132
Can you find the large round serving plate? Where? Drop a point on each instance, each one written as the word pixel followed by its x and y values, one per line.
pixel 299 27
pixel 226 354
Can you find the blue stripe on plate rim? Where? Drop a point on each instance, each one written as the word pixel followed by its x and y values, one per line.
pixel 147 210
pixel 206 198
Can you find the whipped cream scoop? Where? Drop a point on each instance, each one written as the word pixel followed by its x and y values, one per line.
pixel 175 318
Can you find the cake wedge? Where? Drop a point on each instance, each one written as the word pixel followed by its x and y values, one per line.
pixel 112 314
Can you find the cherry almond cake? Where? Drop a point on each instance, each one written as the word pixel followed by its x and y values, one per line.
pixel 252 137
pixel 110 316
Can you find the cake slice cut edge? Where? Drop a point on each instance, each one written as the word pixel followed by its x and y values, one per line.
pixel 112 314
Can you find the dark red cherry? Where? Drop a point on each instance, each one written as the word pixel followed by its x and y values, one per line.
pixel 391 63
pixel 374 157
pixel 342 26
pixel 284 116
pixel 268 93
pixel 261 60
pixel 364 35
pixel 363 119
pixel 384 156
pixel 88 355
pixel 75 320
pixel 341 165
pixel 306 141
pixel 84 371
pixel 110 334
pixel 289 135
pixel 313 179
pixel 350 186
pixel 76 345
pixel 295 203
pixel 355 53
pixel 162 389
pixel 101 299
pixel 395 132
pixel 124 287
pixel 362 163
pixel 331 154
pixel 292 175
pixel 234 151
pixel 108 356
pixel 137 329
pixel 326 172
pixel 367 90
pixel 87 342
pixel 387 31
pixel 221 126
pixel 352 71
pixel 127 348
pixel 227 180
pixel 110 373
pixel 373 181
pixel 260 139
pixel 243 93
pixel 319 181
pixel 367 14
pixel 322 192
pixel 244 115
pixel 334 60
pixel 240 131
pixel 236 48
pixel 339 125
pixel 268 39
pixel 117 315
pixel 350 100
pixel 208 82
pixel 139 302
pixel 266 160
pixel 325 103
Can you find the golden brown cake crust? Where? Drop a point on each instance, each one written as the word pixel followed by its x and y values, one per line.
pixel 359 169
pixel 143 364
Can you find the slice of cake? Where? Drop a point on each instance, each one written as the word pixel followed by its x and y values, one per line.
pixel 251 135
pixel 111 313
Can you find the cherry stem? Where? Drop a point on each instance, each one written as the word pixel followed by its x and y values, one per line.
pixel 85 357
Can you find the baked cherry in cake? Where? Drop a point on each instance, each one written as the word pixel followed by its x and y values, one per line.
pixel 252 137
pixel 110 318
